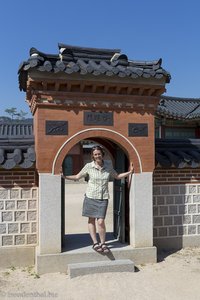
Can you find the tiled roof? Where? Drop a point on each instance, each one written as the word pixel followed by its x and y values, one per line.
pixel 179 108
pixel 95 61
pixel 178 153
pixel 16 145
pixel 16 130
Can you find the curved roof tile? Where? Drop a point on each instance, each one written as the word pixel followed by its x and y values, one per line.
pixel 179 108
pixel 177 153
pixel 95 61
pixel 16 145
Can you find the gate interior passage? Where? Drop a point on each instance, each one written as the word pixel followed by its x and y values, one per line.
pixel 118 201
pixel 82 93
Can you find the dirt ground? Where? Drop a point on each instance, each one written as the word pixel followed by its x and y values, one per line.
pixel 175 277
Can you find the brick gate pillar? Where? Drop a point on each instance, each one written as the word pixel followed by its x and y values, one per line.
pixel 141 216
pixel 49 213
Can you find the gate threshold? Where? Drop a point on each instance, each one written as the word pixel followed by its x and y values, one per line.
pixel 82 242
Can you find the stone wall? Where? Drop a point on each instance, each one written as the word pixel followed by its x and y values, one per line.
pixel 18 208
pixel 176 208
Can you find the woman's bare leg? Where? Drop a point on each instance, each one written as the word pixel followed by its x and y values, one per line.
pixel 92 229
pixel 102 235
pixel 101 230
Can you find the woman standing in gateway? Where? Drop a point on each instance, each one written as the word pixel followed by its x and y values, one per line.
pixel 96 197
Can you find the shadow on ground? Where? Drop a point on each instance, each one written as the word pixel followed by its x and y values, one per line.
pixel 163 254
pixel 83 240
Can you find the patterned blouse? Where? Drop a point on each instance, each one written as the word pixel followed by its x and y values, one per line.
pixel 98 180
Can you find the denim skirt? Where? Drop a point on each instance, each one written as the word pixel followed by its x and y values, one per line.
pixel 94 208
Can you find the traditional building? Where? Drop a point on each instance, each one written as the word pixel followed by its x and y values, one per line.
pixel 99 95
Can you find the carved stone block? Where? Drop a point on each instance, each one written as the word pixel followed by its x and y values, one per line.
pixel 56 127
pixel 98 118
pixel 138 129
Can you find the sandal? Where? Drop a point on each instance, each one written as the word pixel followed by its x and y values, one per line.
pixel 104 248
pixel 96 247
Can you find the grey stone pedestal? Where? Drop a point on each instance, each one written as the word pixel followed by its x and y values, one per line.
pixel 124 265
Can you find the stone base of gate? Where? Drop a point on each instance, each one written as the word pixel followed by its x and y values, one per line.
pixel 177 243
pixel 17 257
pixel 51 263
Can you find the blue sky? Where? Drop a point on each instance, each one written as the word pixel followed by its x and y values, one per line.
pixel 144 30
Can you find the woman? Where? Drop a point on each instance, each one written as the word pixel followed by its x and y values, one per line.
pixel 97 194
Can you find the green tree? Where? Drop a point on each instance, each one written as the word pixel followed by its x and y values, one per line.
pixel 15 114
pixel 11 111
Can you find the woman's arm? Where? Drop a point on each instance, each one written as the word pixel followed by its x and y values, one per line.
pixel 125 174
pixel 71 177
pixel 78 176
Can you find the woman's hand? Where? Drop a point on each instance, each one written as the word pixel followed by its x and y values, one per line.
pixel 125 174
pixel 131 168
pixel 61 173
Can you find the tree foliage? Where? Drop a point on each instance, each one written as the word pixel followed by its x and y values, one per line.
pixel 14 114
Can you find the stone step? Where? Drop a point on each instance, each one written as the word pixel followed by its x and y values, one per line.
pixel 58 262
pixel 80 269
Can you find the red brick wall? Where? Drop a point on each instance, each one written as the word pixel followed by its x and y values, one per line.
pixel 18 177
pixel 47 146
pixel 176 176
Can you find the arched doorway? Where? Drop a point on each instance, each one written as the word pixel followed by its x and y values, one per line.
pixel 97 133
pixel 140 192
pixel 74 226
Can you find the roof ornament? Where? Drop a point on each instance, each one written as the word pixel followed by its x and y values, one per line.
pixel 61 50
pixel 34 52
pixel 119 58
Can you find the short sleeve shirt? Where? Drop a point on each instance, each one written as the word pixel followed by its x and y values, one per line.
pixel 98 180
